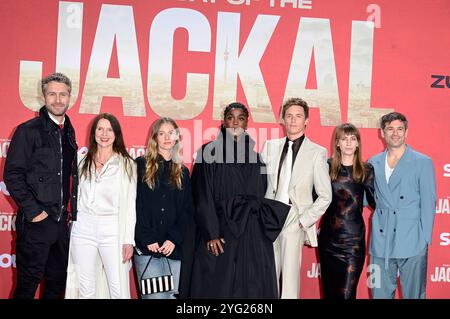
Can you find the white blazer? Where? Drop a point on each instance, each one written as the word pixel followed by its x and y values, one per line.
pixel 310 170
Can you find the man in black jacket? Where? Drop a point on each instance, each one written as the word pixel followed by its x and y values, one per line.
pixel 41 176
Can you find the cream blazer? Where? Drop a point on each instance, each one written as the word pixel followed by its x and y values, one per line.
pixel 310 170
pixel 127 221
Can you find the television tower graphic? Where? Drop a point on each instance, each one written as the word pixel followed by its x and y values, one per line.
pixel 226 53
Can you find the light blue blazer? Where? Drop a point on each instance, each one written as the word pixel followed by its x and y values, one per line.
pixel 402 223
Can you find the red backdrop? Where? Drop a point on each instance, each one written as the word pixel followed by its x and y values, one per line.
pixel 351 60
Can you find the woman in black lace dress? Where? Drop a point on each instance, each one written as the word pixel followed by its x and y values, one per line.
pixel 342 246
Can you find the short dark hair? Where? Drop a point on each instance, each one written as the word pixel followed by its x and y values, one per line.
pixel 235 105
pixel 295 101
pixel 388 118
pixel 56 77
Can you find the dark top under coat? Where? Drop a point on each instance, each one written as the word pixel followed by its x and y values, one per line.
pixel 162 213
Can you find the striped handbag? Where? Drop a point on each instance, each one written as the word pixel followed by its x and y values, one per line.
pixel 156 284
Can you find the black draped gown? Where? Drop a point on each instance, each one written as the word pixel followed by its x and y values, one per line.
pixel 228 191
pixel 342 248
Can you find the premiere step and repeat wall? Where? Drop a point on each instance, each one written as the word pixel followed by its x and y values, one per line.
pixel 351 60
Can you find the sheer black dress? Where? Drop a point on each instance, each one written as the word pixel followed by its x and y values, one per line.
pixel 342 248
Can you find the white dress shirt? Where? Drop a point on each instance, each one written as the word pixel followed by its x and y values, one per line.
pixel 282 194
pixel 100 194
pixel 53 118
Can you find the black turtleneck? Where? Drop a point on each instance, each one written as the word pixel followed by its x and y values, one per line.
pixel 231 149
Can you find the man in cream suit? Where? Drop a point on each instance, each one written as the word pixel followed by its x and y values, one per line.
pixel 295 167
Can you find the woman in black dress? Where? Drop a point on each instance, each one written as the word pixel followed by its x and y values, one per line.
pixel 236 225
pixel 342 247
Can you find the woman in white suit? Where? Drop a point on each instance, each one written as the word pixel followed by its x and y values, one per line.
pixel 102 238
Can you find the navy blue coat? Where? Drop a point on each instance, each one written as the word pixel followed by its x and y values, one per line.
pixel 164 212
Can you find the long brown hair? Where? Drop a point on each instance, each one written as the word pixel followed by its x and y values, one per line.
pixel 151 156
pixel 358 172
pixel 118 146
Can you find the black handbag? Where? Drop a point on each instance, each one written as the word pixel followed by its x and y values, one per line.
pixel 156 284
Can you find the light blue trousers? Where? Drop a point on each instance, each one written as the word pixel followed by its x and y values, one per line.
pixel 413 276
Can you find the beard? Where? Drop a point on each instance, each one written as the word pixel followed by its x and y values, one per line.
pixel 57 109
pixel 396 143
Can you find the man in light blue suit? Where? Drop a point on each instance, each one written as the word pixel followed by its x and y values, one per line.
pixel 402 224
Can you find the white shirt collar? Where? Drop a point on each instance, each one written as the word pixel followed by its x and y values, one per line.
pixel 53 118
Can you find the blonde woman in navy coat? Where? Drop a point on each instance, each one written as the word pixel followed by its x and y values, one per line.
pixel 163 207
pixel 402 225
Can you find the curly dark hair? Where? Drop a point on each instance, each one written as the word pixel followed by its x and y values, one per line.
pixel 235 105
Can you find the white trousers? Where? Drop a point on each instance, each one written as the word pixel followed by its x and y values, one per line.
pixel 96 239
pixel 288 260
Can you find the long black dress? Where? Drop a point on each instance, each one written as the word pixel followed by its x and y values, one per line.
pixel 228 187
pixel 342 248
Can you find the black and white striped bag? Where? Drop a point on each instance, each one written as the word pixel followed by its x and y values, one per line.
pixel 156 284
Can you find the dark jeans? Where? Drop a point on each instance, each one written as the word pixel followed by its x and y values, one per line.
pixel 42 250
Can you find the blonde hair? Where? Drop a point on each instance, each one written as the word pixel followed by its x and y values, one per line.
pixel 151 156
